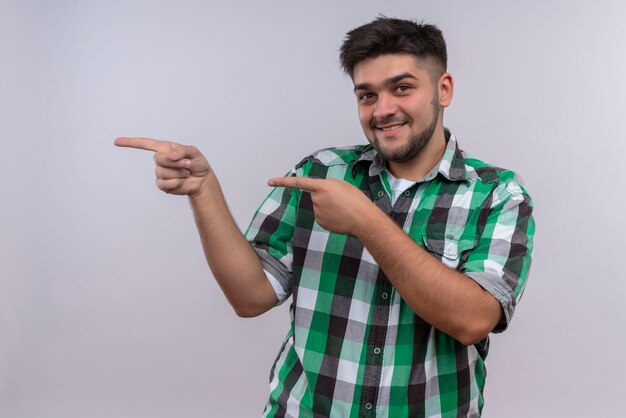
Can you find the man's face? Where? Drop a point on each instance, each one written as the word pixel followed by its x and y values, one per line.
pixel 398 104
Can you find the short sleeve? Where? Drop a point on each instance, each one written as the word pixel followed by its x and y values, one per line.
pixel 501 260
pixel 270 234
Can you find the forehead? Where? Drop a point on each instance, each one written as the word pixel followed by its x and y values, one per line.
pixel 383 67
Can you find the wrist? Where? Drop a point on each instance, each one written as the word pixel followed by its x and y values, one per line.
pixel 208 185
pixel 366 220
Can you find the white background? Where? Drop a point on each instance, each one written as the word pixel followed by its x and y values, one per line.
pixel 107 308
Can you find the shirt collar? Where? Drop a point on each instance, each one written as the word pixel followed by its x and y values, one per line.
pixel 451 165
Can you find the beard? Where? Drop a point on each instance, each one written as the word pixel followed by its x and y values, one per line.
pixel 415 144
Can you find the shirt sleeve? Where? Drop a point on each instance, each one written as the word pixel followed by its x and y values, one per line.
pixel 270 235
pixel 278 288
pixel 501 259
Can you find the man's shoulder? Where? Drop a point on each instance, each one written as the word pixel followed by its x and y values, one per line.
pixel 334 156
pixel 478 170
pixel 504 182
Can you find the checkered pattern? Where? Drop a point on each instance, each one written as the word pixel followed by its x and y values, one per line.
pixel 355 348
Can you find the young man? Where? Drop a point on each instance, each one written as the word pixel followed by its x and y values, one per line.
pixel 401 256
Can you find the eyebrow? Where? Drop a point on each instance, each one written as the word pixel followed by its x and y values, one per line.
pixel 392 80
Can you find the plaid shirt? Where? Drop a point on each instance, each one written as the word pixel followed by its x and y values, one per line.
pixel 355 348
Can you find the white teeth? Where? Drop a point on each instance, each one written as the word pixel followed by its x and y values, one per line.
pixel 389 128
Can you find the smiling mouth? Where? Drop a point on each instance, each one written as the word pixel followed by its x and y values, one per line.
pixel 389 124
pixel 390 127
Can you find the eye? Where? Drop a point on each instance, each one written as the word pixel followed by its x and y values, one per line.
pixel 403 88
pixel 366 97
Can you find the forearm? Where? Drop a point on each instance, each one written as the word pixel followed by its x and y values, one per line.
pixel 183 170
pixel 234 264
pixel 445 298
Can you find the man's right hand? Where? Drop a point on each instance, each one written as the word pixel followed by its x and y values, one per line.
pixel 183 170
pixel 180 169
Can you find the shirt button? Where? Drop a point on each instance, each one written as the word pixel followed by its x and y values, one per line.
pixel 380 194
pixel 385 295
pixel 377 350
pixel 368 406
pixel 407 193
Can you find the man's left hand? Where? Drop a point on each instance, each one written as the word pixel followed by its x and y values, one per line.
pixel 339 206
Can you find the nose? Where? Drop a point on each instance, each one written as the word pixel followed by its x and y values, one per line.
pixel 385 106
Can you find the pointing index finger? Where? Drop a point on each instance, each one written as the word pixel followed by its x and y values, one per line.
pixel 148 144
pixel 303 183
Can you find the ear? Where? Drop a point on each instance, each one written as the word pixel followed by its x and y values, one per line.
pixel 446 89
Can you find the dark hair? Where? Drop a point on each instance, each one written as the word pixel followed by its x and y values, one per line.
pixel 391 36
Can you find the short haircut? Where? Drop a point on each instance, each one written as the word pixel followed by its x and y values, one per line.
pixel 393 36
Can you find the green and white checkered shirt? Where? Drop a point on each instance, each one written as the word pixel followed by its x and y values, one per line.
pixel 355 348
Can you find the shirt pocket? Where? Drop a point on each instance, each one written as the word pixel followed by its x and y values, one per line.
pixel 449 249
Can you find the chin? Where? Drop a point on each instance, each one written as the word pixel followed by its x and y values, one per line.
pixel 397 152
pixel 402 153
pixel 396 155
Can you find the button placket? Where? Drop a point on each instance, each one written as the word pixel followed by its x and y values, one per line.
pixel 375 342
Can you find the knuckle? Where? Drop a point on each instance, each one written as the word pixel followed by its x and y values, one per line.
pixel 194 151
pixel 160 158
pixel 166 185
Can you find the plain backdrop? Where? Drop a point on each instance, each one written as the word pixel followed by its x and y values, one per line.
pixel 107 307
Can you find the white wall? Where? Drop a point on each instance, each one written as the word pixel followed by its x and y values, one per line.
pixel 107 308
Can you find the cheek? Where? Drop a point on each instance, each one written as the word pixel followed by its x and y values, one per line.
pixel 364 117
pixel 419 111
